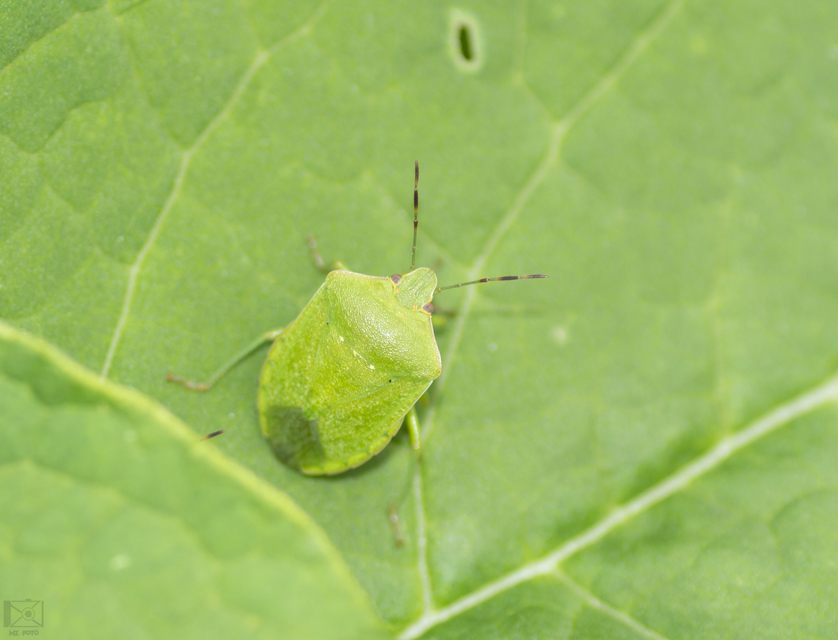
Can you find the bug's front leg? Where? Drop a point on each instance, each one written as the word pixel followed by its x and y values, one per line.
pixel 268 336
pixel 442 315
pixel 335 265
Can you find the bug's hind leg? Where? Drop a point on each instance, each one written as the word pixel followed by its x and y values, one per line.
pixel 269 336
pixel 411 423
pixel 334 265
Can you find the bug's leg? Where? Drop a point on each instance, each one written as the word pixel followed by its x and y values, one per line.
pixel 442 315
pixel 447 312
pixel 270 336
pixel 411 422
pixel 334 265
pixel 439 321
pixel 395 523
pixel 393 508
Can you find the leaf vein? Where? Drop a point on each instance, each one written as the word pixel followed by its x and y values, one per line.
pixel 29 45
pixel 557 135
pixel 133 271
pixel 781 415
pixel 592 601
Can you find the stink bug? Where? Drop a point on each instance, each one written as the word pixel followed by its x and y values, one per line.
pixel 340 379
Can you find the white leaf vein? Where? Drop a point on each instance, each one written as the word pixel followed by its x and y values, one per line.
pixel 785 413
pixel 134 271
pixel 557 135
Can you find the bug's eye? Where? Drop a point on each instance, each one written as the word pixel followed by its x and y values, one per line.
pixel 428 308
pixel 395 279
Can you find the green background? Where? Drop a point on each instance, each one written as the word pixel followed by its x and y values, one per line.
pixel 671 165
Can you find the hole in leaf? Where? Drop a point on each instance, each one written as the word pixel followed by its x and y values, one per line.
pixel 465 44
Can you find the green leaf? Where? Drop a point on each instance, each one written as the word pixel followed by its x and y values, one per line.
pixel 642 444
pixel 123 525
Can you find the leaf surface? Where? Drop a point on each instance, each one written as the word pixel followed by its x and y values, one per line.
pixel 669 164
pixel 125 525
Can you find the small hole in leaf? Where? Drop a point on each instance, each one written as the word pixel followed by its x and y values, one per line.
pixel 465 43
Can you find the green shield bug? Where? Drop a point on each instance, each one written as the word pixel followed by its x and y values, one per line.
pixel 340 380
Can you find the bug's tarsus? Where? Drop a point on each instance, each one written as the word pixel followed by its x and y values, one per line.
pixel 415 215
pixel 393 517
pixel 189 384
pixel 482 280
pixel 447 312
pixel 315 254
pixel 213 434
pixel 336 265
pixel 268 336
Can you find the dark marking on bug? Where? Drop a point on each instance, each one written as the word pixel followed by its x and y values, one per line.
pixel 293 444
pixel 213 434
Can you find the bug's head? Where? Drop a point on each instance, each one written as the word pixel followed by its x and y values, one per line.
pixel 415 289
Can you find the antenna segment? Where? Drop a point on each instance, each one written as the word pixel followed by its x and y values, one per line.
pixel 465 284
pixel 415 216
